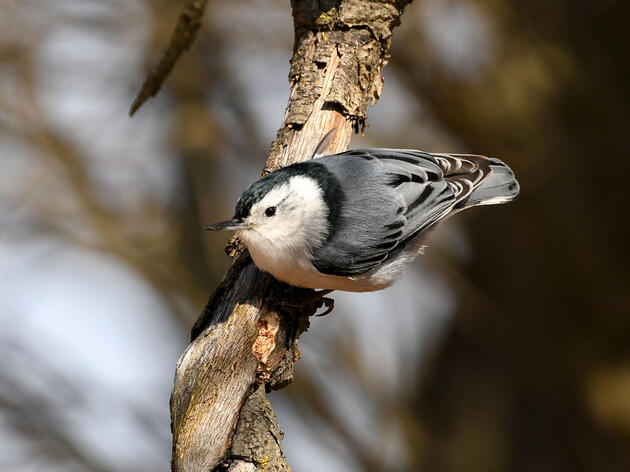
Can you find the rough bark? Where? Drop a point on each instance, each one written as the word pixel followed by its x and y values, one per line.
pixel 246 340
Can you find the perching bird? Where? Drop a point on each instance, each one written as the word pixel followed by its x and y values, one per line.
pixel 354 221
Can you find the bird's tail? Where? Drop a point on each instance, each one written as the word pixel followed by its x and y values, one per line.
pixel 477 180
pixel 500 187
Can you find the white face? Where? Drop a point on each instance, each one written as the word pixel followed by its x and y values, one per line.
pixel 287 223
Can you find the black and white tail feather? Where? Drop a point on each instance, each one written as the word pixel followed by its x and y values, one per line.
pixel 483 180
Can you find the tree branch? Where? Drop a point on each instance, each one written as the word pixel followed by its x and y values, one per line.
pixel 247 336
pixel 183 37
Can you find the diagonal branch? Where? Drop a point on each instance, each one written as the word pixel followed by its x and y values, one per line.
pixel 183 37
pixel 243 343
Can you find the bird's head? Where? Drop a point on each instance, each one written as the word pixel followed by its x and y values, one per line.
pixel 282 213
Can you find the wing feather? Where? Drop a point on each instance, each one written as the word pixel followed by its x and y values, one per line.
pixel 396 195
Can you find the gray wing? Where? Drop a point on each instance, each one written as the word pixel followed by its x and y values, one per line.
pixel 389 197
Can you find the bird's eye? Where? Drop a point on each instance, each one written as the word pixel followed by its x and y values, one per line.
pixel 269 212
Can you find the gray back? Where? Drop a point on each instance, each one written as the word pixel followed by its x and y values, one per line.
pixel 389 196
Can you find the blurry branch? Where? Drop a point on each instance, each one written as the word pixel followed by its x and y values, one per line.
pixel 101 220
pixel 312 397
pixel 186 30
pixel 30 413
pixel 243 344
pixel 33 398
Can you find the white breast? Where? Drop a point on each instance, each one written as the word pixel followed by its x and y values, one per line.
pixel 301 272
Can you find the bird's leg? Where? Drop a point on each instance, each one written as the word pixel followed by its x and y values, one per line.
pixel 294 298
pixel 306 298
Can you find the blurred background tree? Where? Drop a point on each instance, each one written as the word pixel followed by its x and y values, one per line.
pixel 506 348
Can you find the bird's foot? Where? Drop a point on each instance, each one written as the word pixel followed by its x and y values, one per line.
pixel 322 301
pixel 302 299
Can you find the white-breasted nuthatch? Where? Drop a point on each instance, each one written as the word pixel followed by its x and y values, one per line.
pixel 354 221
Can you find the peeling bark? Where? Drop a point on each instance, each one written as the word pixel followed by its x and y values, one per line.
pixel 246 340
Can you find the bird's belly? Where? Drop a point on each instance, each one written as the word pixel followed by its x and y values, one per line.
pixel 294 268
pixel 301 273
pixel 316 280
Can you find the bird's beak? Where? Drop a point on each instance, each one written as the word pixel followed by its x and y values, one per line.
pixel 230 225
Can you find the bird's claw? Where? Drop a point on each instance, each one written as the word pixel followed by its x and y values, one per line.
pixel 311 299
pixel 329 303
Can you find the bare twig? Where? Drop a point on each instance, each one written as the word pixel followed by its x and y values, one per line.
pixel 186 30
